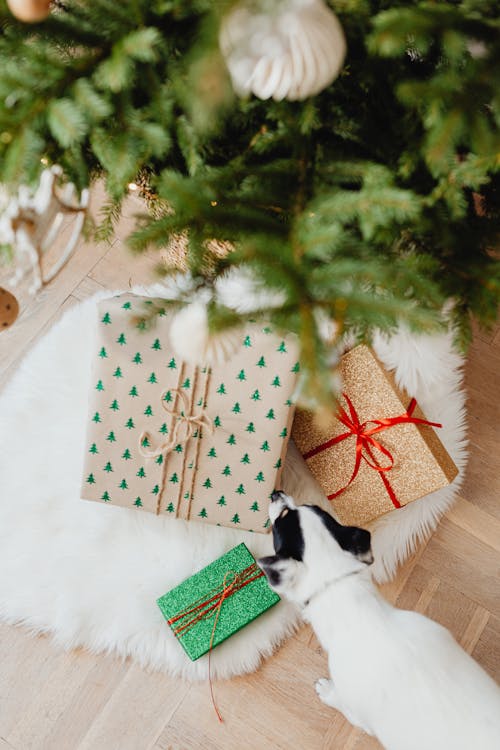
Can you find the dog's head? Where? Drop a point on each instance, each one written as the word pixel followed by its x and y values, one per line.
pixel 311 549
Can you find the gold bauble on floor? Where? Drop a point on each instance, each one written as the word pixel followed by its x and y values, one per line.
pixel 9 309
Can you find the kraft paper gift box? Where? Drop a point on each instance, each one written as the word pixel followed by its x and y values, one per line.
pixel 193 442
pixel 378 452
pixel 216 602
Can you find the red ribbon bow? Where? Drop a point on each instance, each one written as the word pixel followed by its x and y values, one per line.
pixel 366 444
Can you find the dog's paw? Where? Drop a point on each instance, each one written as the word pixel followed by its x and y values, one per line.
pixel 323 687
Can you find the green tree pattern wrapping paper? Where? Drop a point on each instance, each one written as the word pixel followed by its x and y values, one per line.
pixel 236 611
pixel 241 411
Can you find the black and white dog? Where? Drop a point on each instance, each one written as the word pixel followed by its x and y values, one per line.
pixel 396 674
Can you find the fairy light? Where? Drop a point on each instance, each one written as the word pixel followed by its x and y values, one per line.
pixel 133 186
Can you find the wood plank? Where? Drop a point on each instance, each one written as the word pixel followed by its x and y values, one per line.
pixel 392 590
pixel 77 716
pixel 55 681
pixel 135 714
pixel 481 483
pixel 484 334
pixel 483 359
pixel 366 742
pixel 87 288
pixel 462 560
pixel 249 705
pixel 343 735
pixel 474 629
pixel 476 522
pixel 487 651
pixel 447 605
pixel 17 340
pixel 4 745
pixel 424 600
pixel 6 373
pixel 36 679
pixel 483 431
pixel 21 658
pixel 452 609
pixel 119 269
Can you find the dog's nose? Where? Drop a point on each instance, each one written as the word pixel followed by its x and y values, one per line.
pixel 276 495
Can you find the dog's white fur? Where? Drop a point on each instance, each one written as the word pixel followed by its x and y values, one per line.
pixel 395 674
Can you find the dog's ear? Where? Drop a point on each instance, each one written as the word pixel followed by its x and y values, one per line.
pixel 351 538
pixel 269 566
pixel 358 542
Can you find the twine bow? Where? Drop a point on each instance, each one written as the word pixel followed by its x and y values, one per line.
pixel 182 420
pixel 366 445
pixel 203 609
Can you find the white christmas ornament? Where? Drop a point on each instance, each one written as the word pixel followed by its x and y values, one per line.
pixel 192 341
pixel 291 50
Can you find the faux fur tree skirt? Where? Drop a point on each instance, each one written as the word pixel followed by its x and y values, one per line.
pixel 90 574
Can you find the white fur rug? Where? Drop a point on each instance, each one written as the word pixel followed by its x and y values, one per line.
pixel 90 574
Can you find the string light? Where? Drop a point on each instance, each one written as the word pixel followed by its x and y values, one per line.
pixel 133 186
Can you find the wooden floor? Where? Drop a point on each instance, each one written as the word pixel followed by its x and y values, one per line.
pixel 53 700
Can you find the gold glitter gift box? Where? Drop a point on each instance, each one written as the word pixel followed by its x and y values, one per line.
pixel 379 452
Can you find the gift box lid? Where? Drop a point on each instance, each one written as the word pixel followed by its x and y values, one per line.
pixel 191 607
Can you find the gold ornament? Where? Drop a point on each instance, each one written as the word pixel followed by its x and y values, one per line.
pixel 29 11
pixel 9 309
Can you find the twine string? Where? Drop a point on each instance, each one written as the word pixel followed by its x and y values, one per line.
pixel 183 421
pixel 210 605
pixel 198 442
pixel 227 589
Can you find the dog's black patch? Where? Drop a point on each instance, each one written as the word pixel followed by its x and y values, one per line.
pixel 350 538
pixel 287 535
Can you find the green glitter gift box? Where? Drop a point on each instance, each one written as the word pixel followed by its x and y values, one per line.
pixel 216 602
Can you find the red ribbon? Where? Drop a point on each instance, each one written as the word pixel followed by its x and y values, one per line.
pixel 366 443
pixel 202 609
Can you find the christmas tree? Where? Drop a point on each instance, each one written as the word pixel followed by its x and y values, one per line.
pixel 364 200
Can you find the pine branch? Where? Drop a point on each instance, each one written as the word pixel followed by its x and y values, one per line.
pixel 359 204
